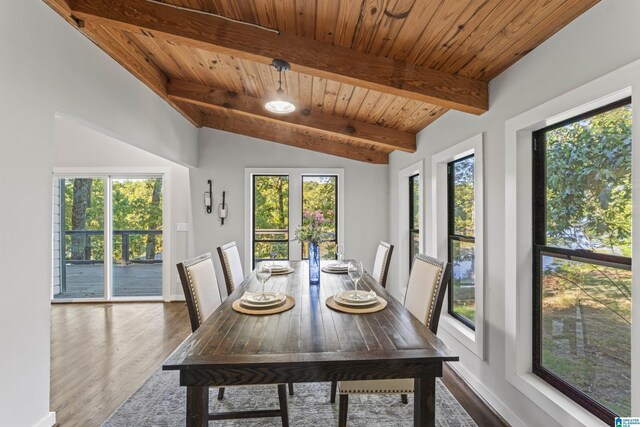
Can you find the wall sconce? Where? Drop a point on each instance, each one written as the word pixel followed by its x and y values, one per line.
pixel 222 209
pixel 208 198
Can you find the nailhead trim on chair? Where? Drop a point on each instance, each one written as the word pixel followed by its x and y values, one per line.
pixel 380 391
pixel 435 291
pixel 193 292
pixel 227 267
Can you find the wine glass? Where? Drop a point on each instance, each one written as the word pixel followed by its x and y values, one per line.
pixel 274 254
pixel 263 273
pixel 340 253
pixel 355 273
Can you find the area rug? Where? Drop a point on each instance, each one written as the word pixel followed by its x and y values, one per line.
pixel 161 402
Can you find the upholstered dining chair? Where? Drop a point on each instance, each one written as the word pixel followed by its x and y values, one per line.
pixel 381 264
pixel 231 266
pixel 201 291
pixel 424 298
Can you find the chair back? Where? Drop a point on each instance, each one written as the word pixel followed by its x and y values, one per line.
pixel 231 266
pixel 200 287
pixel 381 264
pixel 426 288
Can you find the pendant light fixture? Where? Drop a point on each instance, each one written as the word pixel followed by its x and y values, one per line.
pixel 279 104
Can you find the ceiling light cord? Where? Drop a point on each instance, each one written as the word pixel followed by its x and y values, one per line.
pixel 202 12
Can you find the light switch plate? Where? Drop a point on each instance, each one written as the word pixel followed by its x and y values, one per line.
pixel 183 226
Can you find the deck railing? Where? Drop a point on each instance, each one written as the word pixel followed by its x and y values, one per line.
pixel 124 244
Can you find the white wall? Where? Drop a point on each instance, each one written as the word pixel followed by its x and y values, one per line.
pixel 602 40
pixel 78 148
pixel 223 158
pixel 47 67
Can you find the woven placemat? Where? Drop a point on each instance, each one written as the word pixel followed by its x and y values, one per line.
pixel 282 272
pixel 331 303
pixel 288 305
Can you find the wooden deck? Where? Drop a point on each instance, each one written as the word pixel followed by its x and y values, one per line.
pixel 133 280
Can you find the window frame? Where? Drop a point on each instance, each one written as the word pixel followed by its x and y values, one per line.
pixel 540 249
pixel 451 327
pixel 403 258
pixel 413 227
pixel 253 219
pixel 295 204
pixel 302 207
pixel 451 236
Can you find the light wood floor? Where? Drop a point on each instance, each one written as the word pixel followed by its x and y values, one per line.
pixel 102 353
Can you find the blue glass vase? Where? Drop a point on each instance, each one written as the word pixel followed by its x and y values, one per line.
pixel 314 264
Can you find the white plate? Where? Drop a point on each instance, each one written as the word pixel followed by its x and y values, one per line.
pixel 256 298
pixel 277 267
pixel 357 296
pixel 353 303
pixel 281 272
pixel 270 304
pixel 336 266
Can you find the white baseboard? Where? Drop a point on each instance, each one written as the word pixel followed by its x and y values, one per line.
pixel 47 421
pixel 488 395
pixel 177 298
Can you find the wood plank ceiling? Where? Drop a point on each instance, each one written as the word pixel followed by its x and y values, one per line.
pixel 366 75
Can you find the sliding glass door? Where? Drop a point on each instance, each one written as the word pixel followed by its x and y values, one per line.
pixel 107 237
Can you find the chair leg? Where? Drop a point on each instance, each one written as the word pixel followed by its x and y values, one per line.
pixel 221 393
pixel 342 410
pixel 284 409
pixel 290 389
pixel 334 387
pixel 404 399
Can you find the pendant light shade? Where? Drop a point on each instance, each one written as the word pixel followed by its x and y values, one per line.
pixel 279 104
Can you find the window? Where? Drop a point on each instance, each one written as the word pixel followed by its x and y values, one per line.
pixel 582 258
pixel 458 236
pixel 108 237
pixel 276 199
pixel 320 196
pixel 270 217
pixel 414 217
pixel 461 241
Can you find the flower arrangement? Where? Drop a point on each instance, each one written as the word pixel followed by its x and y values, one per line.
pixel 311 231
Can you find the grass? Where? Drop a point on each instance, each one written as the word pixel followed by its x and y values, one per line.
pixel 586 331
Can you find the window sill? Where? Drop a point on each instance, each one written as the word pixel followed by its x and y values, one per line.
pixel 553 402
pixel 463 334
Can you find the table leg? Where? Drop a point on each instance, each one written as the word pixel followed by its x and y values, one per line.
pixel 197 406
pixel 424 401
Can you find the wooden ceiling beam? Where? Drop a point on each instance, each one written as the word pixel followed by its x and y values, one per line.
pixel 332 125
pixel 117 45
pixel 258 127
pixel 306 55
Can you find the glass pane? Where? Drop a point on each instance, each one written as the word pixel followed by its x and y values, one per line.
pixel 319 195
pixel 78 216
pixel 414 195
pixel 271 216
pixel 586 329
pixel 590 208
pixel 463 287
pixel 414 245
pixel 463 197
pixel 137 236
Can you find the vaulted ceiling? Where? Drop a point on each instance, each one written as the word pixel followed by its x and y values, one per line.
pixel 366 75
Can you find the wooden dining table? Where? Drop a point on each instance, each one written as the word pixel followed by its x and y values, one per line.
pixel 309 343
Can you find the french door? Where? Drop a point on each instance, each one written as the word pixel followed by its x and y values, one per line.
pixel 108 237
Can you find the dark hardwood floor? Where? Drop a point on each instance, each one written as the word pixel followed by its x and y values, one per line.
pixel 103 352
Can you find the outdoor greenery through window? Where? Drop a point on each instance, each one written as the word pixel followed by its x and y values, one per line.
pixel 461 224
pixel 414 217
pixel 320 195
pixel 270 217
pixel 135 231
pixel 582 259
